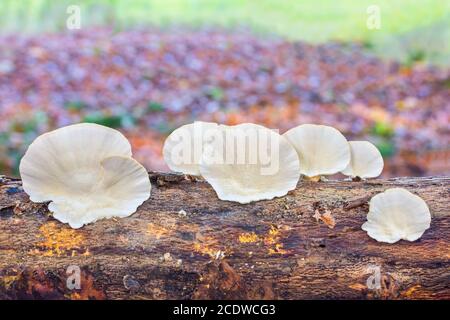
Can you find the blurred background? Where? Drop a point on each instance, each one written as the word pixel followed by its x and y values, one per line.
pixel 376 70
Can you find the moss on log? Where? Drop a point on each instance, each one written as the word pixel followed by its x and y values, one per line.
pixel 184 243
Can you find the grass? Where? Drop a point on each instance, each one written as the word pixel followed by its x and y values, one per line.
pixel 309 20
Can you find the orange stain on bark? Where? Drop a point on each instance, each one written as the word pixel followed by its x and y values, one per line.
pixel 60 240
pixel 250 237
pixel 272 240
pixel 158 231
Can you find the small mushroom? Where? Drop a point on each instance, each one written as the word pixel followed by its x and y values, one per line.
pixel 366 160
pixel 322 150
pixel 397 214
pixel 87 173
pixel 250 163
pixel 183 148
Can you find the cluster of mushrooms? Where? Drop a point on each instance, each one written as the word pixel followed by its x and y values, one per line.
pixel 86 171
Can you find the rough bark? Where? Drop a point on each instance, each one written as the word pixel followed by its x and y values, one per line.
pixel 184 243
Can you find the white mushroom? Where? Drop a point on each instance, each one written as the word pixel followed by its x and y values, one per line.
pixel 249 163
pixel 322 150
pixel 366 160
pixel 397 214
pixel 87 173
pixel 183 148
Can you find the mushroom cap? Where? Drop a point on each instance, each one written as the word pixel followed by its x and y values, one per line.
pixel 397 214
pixel 86 170
pixel 322 150
pixel 183 148
pixel 268 169
pixel 366 160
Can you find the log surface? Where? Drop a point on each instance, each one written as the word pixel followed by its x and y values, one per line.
pixel 184 243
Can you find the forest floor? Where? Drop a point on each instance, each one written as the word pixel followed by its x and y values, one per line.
pixel 146 83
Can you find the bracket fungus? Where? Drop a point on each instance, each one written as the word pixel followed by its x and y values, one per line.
pixel 397 214
pixel 248 162
pixel 366 160
pixel 183 148
pixel 87 173
pixel 322 150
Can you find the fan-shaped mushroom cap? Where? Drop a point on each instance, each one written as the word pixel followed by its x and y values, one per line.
pixel 86 170
pixel 250 163
pixel 397 214
pixel 322 150
pixel 183 148
pixel 366 160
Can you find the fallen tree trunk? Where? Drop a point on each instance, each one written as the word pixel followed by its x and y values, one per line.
pixel 184 243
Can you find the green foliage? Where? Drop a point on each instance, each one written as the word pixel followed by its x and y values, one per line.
pixel 155 107
pixel 417 55
pixel 9 157
pixel 297 20
pixel 383 129
pixel 163 127
pixel 4 137
pixel 29 124
pixel 75 105
pixel 112 121
pixel 16 156
pixel 386 147
pixel 215 93
pixel 128 121
pixel 446 83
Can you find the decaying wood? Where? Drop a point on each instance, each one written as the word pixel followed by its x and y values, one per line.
pixel 184 243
